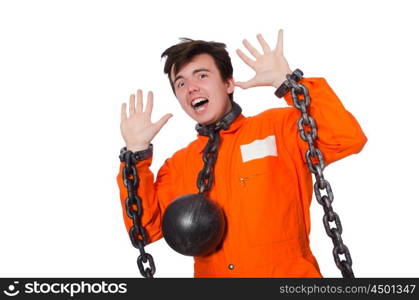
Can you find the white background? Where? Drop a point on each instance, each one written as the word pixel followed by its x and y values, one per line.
pixel 66 67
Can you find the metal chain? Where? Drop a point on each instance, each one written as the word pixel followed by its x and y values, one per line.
pixel 134 211
pixel 308 132
pixel 206 176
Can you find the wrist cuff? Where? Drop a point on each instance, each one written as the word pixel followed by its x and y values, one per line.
pixel 285 87
pixel 136 156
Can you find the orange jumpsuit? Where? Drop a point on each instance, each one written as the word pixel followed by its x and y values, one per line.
pixel 265 195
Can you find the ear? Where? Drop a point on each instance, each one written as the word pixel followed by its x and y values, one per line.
pixel 230 85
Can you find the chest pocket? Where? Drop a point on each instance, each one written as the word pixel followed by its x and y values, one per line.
pixel 269 214
pixel 257 158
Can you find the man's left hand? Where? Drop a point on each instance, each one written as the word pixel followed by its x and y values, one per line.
pixel 271 67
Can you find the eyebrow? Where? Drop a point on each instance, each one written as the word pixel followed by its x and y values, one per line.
pixel 193 73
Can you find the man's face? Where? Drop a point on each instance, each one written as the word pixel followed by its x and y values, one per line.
pixel 201 91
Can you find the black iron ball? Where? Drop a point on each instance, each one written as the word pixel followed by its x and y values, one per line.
pixel 193 225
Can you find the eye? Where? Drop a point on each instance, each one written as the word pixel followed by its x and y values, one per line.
pixel 202 75
pixel 180 84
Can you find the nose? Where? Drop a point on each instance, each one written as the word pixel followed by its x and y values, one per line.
pixel 193 87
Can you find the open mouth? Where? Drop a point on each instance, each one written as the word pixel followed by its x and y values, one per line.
pixel 199 104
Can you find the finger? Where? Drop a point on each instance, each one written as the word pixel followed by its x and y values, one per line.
pixel 131 104
pixel 149 107
pixel 163 121
pixel 139 101
pixel 244 85
pixel 263 43
pixel 248 61
pixel 240 84
pixel 123 112
pixel 279 43
pixel 251 49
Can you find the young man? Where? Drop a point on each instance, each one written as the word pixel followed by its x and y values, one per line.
pixel 262 181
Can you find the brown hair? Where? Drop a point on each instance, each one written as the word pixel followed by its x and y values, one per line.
pixel 182 53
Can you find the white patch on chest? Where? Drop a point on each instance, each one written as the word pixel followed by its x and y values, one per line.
pixel 259 149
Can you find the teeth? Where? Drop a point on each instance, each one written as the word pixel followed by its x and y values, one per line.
pixel 198 100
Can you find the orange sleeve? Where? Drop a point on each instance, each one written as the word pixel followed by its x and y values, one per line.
pixel 154 195
pixel 339 133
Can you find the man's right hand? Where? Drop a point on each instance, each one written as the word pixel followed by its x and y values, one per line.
pixel 137 129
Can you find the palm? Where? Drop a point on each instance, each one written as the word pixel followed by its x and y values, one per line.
pixel 263 67
pixel 138 124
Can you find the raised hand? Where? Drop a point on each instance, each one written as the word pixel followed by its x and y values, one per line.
pixel 137 128
pixel 271 67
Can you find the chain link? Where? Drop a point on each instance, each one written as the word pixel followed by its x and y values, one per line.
pixel 133 209
pixel 206 176
pixel 307 130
